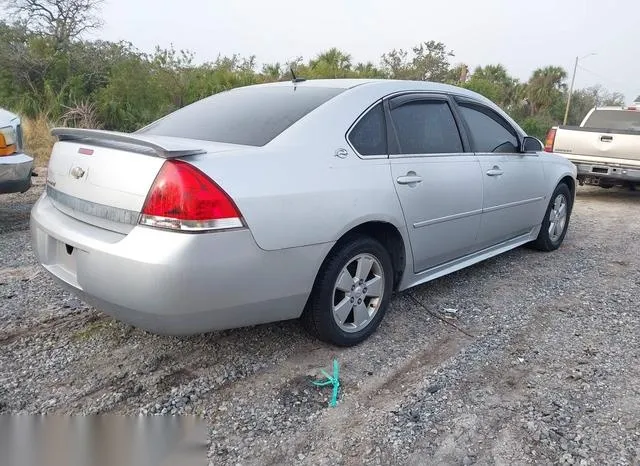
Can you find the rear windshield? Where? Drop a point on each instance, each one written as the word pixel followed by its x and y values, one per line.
pixel 248 115
pixel 628 120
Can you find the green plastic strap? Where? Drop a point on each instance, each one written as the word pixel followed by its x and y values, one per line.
pixel 323 384
pixel 331 380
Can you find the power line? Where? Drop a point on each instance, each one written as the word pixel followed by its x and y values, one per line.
pixel 597 75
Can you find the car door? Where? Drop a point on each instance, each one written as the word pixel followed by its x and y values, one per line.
pixel 439 184
pixel 513 181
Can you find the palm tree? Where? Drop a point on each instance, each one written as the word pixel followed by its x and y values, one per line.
pixel 498 75
pixel 545 86
pixel 332 63
pixel 367 70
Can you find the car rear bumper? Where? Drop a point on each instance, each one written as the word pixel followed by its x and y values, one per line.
pixel 591 168
pixel 174 283
pixel 609 172
pixel 15 173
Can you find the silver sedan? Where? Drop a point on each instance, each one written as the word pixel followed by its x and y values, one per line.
pixel 306 199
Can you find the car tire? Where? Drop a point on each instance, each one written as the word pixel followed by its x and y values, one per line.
pixel 554 224
pixel 351 293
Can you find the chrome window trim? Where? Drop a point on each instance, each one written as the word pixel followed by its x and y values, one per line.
pixel 452 95
pixel 435 154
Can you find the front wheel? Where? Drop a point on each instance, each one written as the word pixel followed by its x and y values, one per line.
pixel 556 220
pixel 351 293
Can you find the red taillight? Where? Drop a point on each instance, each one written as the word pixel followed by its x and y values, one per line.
pixel 632 108
pixel 184 198
pixel 550 140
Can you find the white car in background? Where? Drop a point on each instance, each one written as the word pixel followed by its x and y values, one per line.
pixel 15 165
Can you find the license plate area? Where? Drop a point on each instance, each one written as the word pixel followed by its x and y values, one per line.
pixel 65 257
pixel 62 261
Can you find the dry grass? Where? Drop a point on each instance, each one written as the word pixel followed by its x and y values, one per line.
pixel 81 115
pixel 38 140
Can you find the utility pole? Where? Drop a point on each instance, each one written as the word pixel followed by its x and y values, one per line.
pixel 573 78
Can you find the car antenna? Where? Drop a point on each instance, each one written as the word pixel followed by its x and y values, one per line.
pixel 295 78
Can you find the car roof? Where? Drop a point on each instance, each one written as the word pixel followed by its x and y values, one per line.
pixel 346 83
pixel 391 86
pixel 385 85
pixel 338 83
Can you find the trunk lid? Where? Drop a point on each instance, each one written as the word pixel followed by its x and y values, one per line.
pixel 102 178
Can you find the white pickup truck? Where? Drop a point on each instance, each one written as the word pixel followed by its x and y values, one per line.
pixel 605 147
pixel 15 165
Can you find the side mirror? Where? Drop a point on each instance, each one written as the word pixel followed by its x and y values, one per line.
pixel 531 144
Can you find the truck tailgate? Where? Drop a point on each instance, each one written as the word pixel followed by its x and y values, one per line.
pixel 596 145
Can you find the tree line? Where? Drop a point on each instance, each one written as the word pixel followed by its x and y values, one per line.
pixel 49 71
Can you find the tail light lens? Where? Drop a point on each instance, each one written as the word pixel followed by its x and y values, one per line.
pixel 550 140
pixel 184 198
pixel 8 141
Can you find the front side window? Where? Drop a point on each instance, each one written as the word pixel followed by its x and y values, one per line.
pixel 369 135
pixel 489 132
pixel 426 127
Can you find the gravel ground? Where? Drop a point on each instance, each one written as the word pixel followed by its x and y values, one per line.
pixel 528 358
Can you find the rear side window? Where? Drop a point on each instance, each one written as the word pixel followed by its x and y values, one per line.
pixel 489 132
pixel 426 127
pixel 248 115
pixel 624 120
pixel 369 135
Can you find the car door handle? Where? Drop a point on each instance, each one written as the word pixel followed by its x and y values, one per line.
pixel 606 138
pixel 409 179
pixel 495 171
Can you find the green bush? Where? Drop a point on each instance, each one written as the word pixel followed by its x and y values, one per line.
pixel 537 126
pixel 126 89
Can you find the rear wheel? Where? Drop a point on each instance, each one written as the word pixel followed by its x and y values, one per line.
pixel 556 220
pixel 351 293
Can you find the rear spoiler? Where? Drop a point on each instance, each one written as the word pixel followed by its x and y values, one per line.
pixel 161 146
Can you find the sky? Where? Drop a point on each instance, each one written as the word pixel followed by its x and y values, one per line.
pixel 521 35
